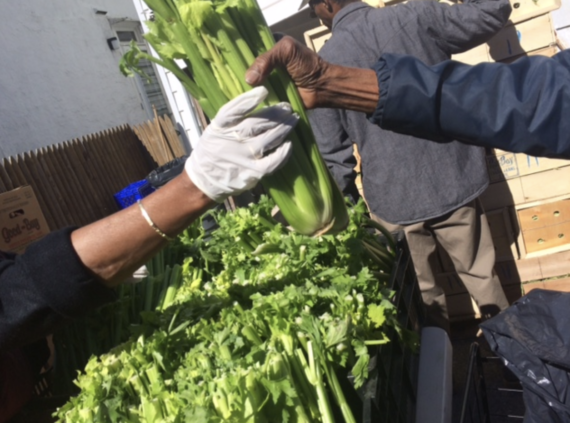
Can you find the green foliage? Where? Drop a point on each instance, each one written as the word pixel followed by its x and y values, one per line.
pixel 248 337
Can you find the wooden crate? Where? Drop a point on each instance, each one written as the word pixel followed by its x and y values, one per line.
pixel 527 190
pixel 317 37
pixel 558 284
pixel 540 187
pixel 542 239
pixel 544 215
pixel 545 227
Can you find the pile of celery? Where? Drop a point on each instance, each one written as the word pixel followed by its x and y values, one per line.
pixel 264 327
pixel 209 45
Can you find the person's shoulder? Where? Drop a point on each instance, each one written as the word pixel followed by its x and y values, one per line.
pixel 327 50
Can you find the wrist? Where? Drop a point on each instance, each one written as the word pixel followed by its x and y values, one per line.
pixel 198 197
pixel 348 88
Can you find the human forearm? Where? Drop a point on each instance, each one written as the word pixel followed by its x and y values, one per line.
pixel 349 88
pixel 320 83
pixel 239 148
pixel 114 247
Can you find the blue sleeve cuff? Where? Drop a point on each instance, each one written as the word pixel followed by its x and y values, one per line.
pixel 383 73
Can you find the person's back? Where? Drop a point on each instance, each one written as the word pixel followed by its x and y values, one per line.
pixel 405 180
pixel 431 189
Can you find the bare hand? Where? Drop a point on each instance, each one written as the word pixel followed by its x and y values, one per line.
pixel 320 83
pixel 304 66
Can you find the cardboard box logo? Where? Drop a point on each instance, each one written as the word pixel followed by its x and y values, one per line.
pixel 21 219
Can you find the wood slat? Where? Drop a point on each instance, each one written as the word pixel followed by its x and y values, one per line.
pixel 144 157
pixel 6 181
pixel 173 139
pixel 61 187
pixel 14 177
pixel 49 191
pixel 3 187
pixel 152 140
pixel 37 185
pixel 106 161
pixel 36 172
pixel 92 179
pixel 131 169
pixel 83 210
pixel 99 170
pixel 168 153
pixel 90 191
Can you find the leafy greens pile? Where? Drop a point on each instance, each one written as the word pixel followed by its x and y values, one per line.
pixel 260 328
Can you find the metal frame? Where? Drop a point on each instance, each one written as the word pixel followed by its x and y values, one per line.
pixel 475 406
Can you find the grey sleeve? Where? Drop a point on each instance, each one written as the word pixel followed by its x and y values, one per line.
pixel 461 27
pixel 336 148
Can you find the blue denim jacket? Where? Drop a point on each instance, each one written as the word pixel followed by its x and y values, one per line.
pixel 405 179
pixel 520 107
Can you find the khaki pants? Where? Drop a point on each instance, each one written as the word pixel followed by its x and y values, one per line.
pixel 465 235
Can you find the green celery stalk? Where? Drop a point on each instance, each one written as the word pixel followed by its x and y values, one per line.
pixel 219 40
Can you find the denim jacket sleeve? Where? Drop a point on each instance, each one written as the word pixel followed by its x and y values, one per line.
pixel 461 27
pixel 520 107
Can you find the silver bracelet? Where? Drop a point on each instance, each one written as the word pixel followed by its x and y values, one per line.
pixel 151 223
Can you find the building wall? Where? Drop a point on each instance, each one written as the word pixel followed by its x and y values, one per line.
pixel 59 79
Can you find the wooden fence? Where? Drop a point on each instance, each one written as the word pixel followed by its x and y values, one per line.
pixel 160 138
pixel 75 180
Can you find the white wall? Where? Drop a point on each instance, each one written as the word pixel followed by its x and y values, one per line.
pixel 278 10
pixel 58 78
pixel 561 21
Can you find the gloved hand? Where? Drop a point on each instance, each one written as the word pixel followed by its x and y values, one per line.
pixel 237 149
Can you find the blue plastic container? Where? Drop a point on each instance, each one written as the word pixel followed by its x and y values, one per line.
pixel 135 191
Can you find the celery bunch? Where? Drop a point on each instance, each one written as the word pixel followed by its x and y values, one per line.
pixel 258 337
pixel 209 45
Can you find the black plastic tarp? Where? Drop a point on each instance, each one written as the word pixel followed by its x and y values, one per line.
pixel 533 338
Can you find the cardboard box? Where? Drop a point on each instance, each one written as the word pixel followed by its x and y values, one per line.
pixel 504 165
pixel 21 219
pixel 527 9
pixel 528 165
pixel 512 41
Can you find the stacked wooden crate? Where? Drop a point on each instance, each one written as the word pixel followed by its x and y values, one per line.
pixel 528 201
pixel 535 195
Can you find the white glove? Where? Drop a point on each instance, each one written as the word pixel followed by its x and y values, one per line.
pixel 237 149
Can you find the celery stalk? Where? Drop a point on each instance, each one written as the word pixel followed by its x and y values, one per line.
pixel 219 39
